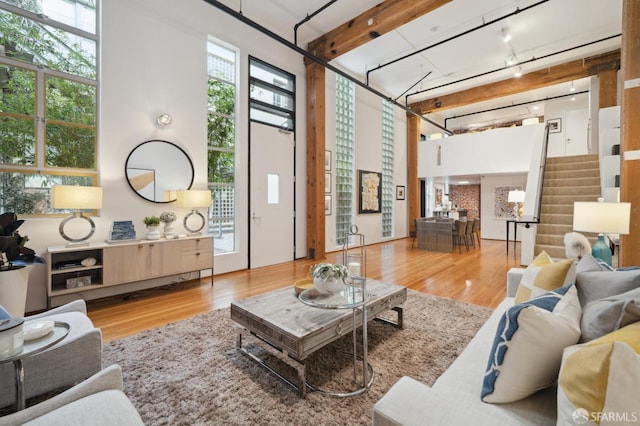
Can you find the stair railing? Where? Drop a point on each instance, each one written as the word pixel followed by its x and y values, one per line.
pixel 543 165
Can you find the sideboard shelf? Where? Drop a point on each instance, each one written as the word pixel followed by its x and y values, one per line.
pixel 123 267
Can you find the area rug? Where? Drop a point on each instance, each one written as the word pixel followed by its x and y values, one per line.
pixel 190 372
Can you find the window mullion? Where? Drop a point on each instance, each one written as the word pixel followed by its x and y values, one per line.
pixel 40 124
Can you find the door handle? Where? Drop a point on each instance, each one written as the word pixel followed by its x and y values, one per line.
pixel 253 216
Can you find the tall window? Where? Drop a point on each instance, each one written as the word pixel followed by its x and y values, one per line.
pixel 221 62
pixel 387 168
pixel 272 95
pixel 345 93
pixel 48 100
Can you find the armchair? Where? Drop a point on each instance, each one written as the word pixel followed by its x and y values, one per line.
pixel 76 357
pixel 99 400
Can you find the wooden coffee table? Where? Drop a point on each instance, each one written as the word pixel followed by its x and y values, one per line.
pixel 291 330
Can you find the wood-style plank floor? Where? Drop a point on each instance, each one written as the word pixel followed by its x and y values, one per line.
pixel 476 277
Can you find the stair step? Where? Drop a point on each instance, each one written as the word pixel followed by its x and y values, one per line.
pixel 572 181
pixel 563 199
pixel 553 229
pixel 556 209
pixel 554 252
pixel 572 191
pixel 556 219
pixel 572 166
pixel 569 174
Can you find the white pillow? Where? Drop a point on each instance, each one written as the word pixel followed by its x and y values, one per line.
pixel 527 349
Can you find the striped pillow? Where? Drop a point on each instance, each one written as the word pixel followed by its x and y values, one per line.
pixel 599 380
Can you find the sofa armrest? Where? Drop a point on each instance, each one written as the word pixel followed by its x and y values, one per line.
pixel 108 379
pixel 514 275
pixel 75 306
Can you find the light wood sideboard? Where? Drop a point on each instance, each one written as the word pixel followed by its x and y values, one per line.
pixel 123 267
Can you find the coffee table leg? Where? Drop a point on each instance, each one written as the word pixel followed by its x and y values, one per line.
pixel 399 322
pixel 281 355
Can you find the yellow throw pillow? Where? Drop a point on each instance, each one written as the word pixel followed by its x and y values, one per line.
pixel 544 275
pixel 598 381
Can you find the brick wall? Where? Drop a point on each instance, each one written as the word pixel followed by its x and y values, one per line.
pixel 466 197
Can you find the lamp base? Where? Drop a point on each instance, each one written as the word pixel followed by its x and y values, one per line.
pixel 194 231
pixel 601 250
pixel 73 242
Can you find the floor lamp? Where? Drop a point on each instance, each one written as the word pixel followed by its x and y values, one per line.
pixel 603 218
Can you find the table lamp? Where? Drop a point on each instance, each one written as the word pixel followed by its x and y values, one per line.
pixel 603 218
pixel 517 196
pixel 194 199
pixel 76 198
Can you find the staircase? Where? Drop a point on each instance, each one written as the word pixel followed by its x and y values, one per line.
pixel 566 179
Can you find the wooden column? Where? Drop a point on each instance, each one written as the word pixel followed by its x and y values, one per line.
pixel 608 88
pixel 413 184
pixel 315 160
pixel 630 131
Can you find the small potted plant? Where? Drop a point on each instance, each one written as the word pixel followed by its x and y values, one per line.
pixel 168 218
pixel 153 223
pixel 328 277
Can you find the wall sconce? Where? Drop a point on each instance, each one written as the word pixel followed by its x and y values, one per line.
pixel 601 217
pixel 76 199
pixel 194 199
pixel 164 119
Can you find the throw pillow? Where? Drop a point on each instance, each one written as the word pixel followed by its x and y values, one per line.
pixel 598 381
pixel 4 314
pixel 543 275
pixel 590 263
pixel 603 316
pixel 596 285
pixel 527 349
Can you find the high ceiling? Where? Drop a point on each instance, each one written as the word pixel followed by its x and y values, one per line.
pixel 455 43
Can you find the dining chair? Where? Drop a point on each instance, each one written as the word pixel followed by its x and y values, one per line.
pixel 469 233
pixel 459 233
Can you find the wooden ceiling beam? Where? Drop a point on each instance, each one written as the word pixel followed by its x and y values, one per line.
pixel 385 17
pixel 573 70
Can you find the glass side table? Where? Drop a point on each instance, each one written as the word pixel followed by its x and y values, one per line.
pixel 32 347
pixel 354 296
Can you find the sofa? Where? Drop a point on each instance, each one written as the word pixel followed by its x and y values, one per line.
pixel 456 398
pixel 99 400
pixel 76 357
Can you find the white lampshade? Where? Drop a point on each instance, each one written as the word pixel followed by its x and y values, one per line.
pixel 193 198
pixel 516 196
pixel 76 197
pixel 606 218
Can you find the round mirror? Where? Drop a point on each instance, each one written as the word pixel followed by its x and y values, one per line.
pixel 155 169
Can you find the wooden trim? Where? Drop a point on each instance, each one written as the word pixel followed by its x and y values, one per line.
pixel 629 254
pixel 385 17
pixel 315 160
pixel 608 88
pixel 573 70
pixel 413 184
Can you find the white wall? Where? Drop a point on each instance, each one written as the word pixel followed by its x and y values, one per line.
pixel 154 61
pixel 562 109
pixel 492 227
pixel 503 150
pixel 368 156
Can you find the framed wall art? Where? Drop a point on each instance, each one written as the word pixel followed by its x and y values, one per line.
pixel 327 183
pixel 327 160
pixel 327 205
pixel 555 125
pixel 370 192
pixel 399 192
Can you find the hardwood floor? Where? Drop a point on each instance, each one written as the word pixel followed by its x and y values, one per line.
pixel 477 277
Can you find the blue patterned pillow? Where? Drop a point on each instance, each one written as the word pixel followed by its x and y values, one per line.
pixel 527 349
pixel 4 314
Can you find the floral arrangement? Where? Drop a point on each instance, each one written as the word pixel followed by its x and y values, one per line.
pixel 168 217
pixel 152 220
pixel 329 270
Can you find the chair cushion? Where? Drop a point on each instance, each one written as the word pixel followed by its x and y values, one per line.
pixel 598 380
pixel 527 349
pixel 543 275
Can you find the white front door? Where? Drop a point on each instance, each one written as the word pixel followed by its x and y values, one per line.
pixel 271 188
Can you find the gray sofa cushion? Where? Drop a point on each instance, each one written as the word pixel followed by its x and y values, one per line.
pixel 595 285
pixel 603 316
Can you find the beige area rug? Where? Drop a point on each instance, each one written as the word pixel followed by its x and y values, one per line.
pixel 190 372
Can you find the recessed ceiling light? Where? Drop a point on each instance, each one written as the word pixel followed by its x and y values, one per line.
pixel 463 182
pixel 518 72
